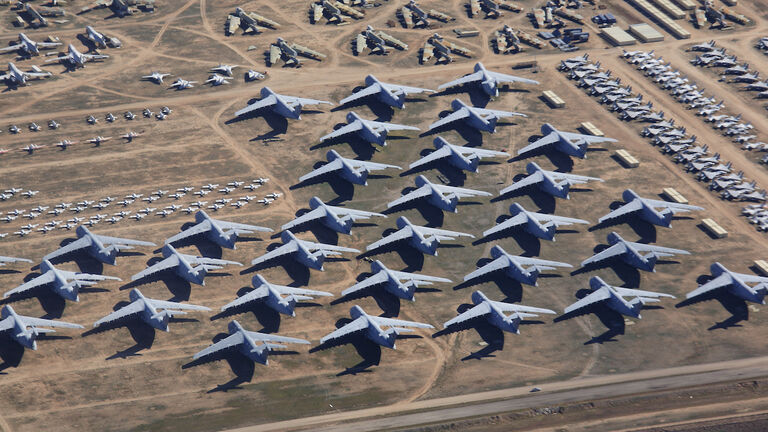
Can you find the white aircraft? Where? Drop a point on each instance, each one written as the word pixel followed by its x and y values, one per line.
pixel 157 77
pixel 391 94
pixel 400 284
pixel 631 253
pixel 464 158
pixel 613 297
pixel 646 209
pixel 420 238
pixel 217 80
pixel 440 196
pixel 66 284
pixel 371 131
pixel 339 219
pixel 155 313
pixel 223 69
pixel 370 326
pixel 494 312
pixel 488 81
pixel 286 106
pixel 735 283
pixel 570 143
pixel 221 232
pixel 352 170
pixel 514 267
pixel 18 77
pixel 24 329
pixel 247 343
pixel 532 223
pixel 28 46
pixel 96 246
pixel 554 183
pixel 5 260
pixel 181 84
pixel 479 118
pixel 281 298
pixel 189 267
pixel 309 254
pixel 63 144
pixel 76 58
pixel 130 136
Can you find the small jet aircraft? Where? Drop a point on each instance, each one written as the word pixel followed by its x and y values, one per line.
pixel 339 219
pixel 156 313
pixel 182 84
pixel 553 183
pixel 281 298
pixel 65 284
pixel 487 80
pixel 157 77
pixel 309 254
pixel 479 118
pixel 247 343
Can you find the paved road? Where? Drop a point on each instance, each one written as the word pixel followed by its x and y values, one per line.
pixel 488 403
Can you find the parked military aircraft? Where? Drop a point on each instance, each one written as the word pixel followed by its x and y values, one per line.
pixel 613 297
pixel 735 283
pixel 290 52
pixel 391 94
pixel 157 77
pixel 570 143
pixel 532 223
pixel 6 260
pixel 221 232
pixel 487 80
pixel 28 46
pixel 631 253
pixel 25 330
pixel 554 183
pixel 156 313
pixel 370 326
pixel 400 284
pixel 440 196
pixel 464 158
pixel 481 119
pixel 436 46
pixel 286 106
pixel 423 239
pixel 369 130
pixel 66 284
pixel 99 39
pixel 494 312
pixel 96 246
pixel 188 267
pixel 352 170
pixel 514 266
pixel 339 219
pixel 250 22
pixel 76 58
pixel 247 343
pixel 309 254
pixel 378 41
pixel 646 209
pixel 281 298
pixel 16 76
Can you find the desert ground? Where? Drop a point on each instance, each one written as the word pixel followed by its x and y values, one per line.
pixel 133 378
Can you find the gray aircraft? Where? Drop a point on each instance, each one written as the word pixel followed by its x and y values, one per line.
pixel 370 326
pixel 281 298
pixel 539 225
pixel 632 253
pixel 76 58
pixel 307 253
pixel 735 283
pixel 156 313
pixel 247 343
pixel 613 297
pixel 570 143
pixel 188 267
pixel 18 77
pixel 286 106
pixel 290 52
pixel 400 284
pixel 487 80
pixel 28 46
pixel 421 238
pixel 645 209
pixel 369 130
pixel 514 266
pixel 99 39
pixel 553 183
pixel 377 40
pixel 463 158
pixel 494 312
pixel 440 196
pixel 6 260
pixel 391 94
pixel 479 118
pixel 65 284
pixel 96 246
pixel 25 330
pixel 352 170
pixel 250 22
pixel 223 233
pixel 339 219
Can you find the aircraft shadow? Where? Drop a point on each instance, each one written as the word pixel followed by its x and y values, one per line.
pixel 11 354
pixel 472 136
pixel 297 272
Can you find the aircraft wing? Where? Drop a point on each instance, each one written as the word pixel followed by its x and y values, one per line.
pixel 675 207
pixel 168 263
pixel 304 101
pixel 475 312
pixel 5 77
pixel 627 292
pixel 642 247
pixel 282 250
pixel 122 241
pixel 550 139
pixel 461 192
pixel 240 227
pixel 11 48
pixel 463 80
pixel 495 265
pixel 321 246
pixel 366 92
pixel 573 178
pixel 330 167
pixel 397 236
pixel 370 166
pixel 378 278
pixel 356 214
pixel 200 228
pixel 358 325
pixel 719 282
pixel 266 337
pixel 588 138
pixel 441 232
pixel 39 322
pixel 389 126
pixel 346 129
pixel 610 252
pixel 6 324
pixel 257 294
pixel 41 280
pixel 406 89
pixel 510 307
pixel 418 277
pixel 5 259
pixel 592 298
pixel 481 153
pixel 391 322
pixel 131 309
pixel 539 262
pixel 160 304
pixel 422 192
pixel 261 103
pixel 626 209
pixel 530 180
pixel 560 220
pixel 752 278
pixel 450 118
pixel 315 214
pixel 517 220
pixel 228 342
pixel 510 78
pixel 499 113
pixel 81 243
pixel 303 291
pixel 274 54
pixel 442 152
